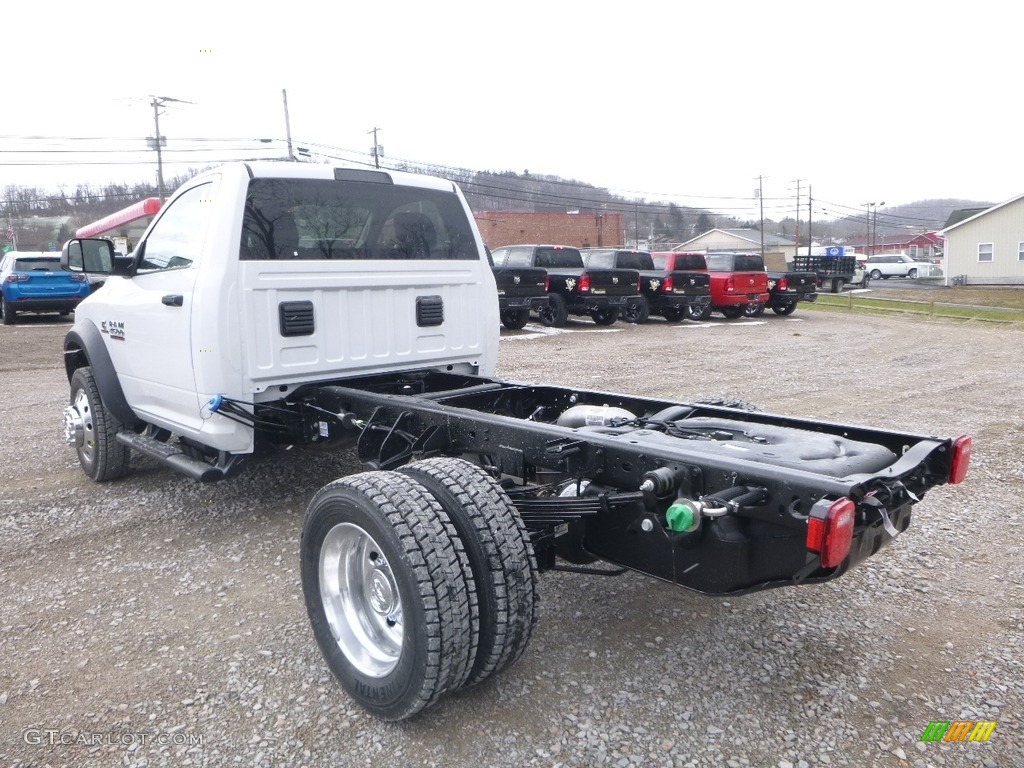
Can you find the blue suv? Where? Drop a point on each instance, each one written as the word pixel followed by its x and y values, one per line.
pixel 34 282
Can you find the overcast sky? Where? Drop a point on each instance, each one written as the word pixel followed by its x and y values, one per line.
pixel 688 102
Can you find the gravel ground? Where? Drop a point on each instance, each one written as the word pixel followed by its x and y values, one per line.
pixel 154 621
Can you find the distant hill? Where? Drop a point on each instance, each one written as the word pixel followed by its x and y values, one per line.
pixel 44 219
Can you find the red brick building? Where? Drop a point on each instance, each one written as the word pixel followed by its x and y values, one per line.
pixel 590 229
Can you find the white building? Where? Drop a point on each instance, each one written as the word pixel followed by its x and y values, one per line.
pixel 987 248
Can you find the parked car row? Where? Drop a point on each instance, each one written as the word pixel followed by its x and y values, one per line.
pixel 608 284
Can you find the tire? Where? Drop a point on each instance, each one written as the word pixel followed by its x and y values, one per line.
pixel 837 284
pixel 636 311
pixel 875 274
pixel 384 576
pixel 10 316
pixel 912 274
pixel 753 310
pixel 605 316
pixel 731 312
pixel 102 457
pixel 500 555
pixel 515 319
pixel 698 312
pixel 556 313
pixel 673 315
pixel 785 309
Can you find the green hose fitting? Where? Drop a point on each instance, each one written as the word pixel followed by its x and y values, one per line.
pixel 680 518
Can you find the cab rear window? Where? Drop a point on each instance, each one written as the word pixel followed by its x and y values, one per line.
pixel 564 258
pixel 355 220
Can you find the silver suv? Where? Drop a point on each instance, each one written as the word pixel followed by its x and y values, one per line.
pixel 886 265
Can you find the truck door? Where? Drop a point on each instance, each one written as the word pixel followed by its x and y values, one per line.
pixel 149 325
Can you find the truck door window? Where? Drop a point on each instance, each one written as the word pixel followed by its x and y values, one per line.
pixel 176 240
pixel 719 262
pixel 520 257
pixel 601 260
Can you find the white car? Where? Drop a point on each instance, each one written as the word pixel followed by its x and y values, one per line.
pixel 886 265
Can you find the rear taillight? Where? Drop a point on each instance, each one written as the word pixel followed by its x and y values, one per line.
pixel 584 283
pixel 15 278
pixel 960 459
pixel 783 284
pixel 730 285
pixel 547 283
pixel 830 531
pixel 668 285
pixel 77 276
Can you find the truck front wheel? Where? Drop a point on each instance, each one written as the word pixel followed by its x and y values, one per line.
pixel 785 309
pixel 500 554
pixel 515 319
pixel 384 576
pixel 92 431
pixel 556 313
pixel 732 312
pixel 605 316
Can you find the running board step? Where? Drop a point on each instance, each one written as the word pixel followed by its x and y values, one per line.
pixel 170 455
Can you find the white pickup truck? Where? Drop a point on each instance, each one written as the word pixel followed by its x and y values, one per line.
pixel 288 304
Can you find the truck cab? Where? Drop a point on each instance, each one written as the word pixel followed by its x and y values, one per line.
pixel 255 279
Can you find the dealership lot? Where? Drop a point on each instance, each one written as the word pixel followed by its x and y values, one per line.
pixel 156 621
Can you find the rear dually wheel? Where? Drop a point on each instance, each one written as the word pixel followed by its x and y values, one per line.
pixel 387 588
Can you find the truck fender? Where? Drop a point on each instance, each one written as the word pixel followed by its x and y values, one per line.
pixel 83 345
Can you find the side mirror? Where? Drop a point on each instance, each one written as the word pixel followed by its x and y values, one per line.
pixel 93 256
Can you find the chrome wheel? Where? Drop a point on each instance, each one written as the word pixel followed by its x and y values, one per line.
pixel 75 420
pixel 361 600
pixel 79 430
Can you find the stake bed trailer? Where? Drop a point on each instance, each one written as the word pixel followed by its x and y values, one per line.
pixel 286 303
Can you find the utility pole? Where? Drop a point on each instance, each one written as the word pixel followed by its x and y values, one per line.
pixel 874 227
pixel 156 143
pixel 636 222
pixel 796 229
pixel 376 148
pixel 159 141
pixel 287 124
pixel 809 238
pixel 867 235
pixel 760 198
